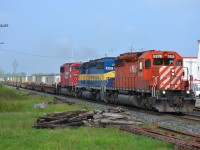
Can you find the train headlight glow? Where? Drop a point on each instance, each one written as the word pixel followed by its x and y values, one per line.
pixel 172 74
pixel 173 70
pixel 164 92
pixel 188 92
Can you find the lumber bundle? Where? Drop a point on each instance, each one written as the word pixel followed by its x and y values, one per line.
pixel 112 116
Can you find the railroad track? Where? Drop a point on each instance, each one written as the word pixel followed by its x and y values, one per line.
pixel 182 140
pixel 191 118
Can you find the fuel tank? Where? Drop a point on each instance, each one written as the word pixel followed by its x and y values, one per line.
pixel 127 100
pixel 88 95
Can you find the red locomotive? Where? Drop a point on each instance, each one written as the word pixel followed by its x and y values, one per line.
pixel 153 80
pixel 68 78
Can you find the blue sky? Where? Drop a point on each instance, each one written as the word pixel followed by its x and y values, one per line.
pixel 43 34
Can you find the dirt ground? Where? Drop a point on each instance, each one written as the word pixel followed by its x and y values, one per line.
pixel 197 102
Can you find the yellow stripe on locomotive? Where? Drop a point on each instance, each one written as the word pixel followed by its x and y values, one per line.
pixel 97 77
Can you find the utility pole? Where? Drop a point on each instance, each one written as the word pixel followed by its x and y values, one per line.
pixel 14 65
pixel 3 26
pixel 131 48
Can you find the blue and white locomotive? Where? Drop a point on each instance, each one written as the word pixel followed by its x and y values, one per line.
pixel 95 77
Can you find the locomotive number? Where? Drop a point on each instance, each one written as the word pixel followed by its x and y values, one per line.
pixel 170 56
pixel 157 56
pixel 109 68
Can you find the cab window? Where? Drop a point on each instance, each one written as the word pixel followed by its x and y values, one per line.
pixel 169 62
pixel 76 68
pixel 83 70
pixel 157 62
pixel 179 63
pixel 100 65
pixel 147 64
pixel 61 69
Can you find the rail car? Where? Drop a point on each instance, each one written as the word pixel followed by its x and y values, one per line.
pixel 150 79
pixel 94 77
pixel 69 73
pixel 43 83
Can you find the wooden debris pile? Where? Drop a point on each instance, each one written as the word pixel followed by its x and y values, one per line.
pixel 58 100
pixel 112 116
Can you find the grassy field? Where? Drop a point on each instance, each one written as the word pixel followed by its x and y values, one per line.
pixel 17 117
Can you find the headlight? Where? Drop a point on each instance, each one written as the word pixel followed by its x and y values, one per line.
pixel 188 92
pixel 173 70
pixel 172 74
pixel 164 92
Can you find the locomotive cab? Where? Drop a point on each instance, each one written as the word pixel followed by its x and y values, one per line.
pixel 167 83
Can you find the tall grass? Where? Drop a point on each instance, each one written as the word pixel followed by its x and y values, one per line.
pixel 8 94
pixel 17 132
pixel 10 100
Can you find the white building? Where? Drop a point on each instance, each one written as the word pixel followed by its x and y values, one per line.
pixel 193 65
pixel 198 61
pixel 191 68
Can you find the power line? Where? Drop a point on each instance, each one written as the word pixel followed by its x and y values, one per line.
pixel 29 54
pixel 36 55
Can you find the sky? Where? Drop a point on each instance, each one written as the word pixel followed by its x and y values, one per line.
pixel 44 34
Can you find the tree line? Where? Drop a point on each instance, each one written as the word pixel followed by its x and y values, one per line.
pixel 4 74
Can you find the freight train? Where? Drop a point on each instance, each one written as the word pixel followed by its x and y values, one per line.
pixel 151 79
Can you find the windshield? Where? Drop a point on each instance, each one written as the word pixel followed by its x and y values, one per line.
pixel 160 61
pixel 76 68
pixel 169 62
pixel 157 62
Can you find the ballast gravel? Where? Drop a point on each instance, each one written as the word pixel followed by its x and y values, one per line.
pixel 162 120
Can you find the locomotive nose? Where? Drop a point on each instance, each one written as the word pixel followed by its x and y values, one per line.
pixel 170 77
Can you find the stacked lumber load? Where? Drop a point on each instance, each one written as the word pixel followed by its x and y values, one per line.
pixel 112 116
